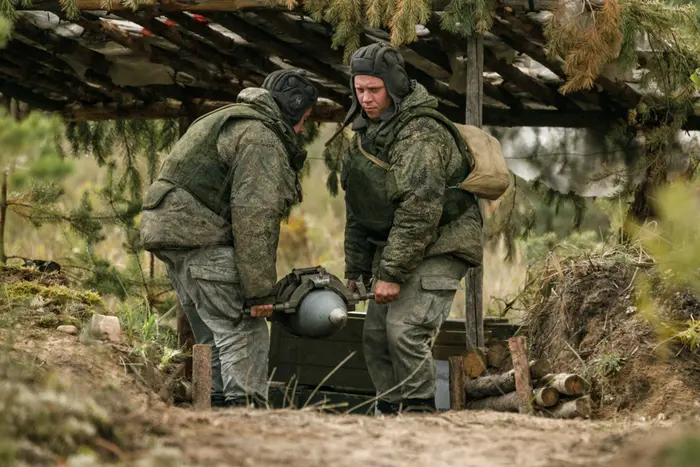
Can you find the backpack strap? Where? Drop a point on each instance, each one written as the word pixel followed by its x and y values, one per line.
pixel 386 137
pixel 370 157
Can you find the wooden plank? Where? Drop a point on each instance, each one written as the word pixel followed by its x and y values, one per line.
pixel 474 311
pixel 343 379
pixel 323 111
pixel 457 378
pixel 523 379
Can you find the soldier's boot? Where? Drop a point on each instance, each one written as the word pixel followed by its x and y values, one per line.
pixel 218 400
pixel 418 405
pixel 254 402
pixel 387 408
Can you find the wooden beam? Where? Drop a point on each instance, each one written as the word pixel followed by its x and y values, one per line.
pixel 537 89
pixel 225 53
pixel 195 68
pixel 271 45
pixel 621 92
pixel 32 98
pixel 162 5
pixel 236 5
pixel 46 85
pixel 474 309
pixel 323 111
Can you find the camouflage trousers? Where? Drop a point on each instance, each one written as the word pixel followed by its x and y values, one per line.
pixel 398 337
pixel 207 285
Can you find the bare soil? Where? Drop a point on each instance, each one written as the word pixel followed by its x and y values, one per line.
pixel 583 318
pixel 149 432
pixel 307 438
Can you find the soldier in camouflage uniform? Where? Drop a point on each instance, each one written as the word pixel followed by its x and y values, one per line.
pixel 406 228
pixel 213 217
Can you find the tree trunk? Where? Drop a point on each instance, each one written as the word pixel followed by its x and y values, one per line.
pixel 580 407
pixel 496 385
pixel 546 397
pixel 475 362
pixel 497 353
pixel 505 403
pixel 3 215
pixel 641 208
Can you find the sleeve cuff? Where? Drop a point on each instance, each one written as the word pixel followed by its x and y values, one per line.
pixel 387 277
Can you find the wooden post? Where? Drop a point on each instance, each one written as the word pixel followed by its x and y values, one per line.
pixel 201 376
pixel 457 379
pixel 474 312
pixel 3 215
pixel 523 381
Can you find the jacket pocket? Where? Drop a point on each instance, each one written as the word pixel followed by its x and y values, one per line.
pixel 431 305
pixel 156 193
pixel 214 273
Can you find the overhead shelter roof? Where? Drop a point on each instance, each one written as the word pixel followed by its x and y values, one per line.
pixel 185 57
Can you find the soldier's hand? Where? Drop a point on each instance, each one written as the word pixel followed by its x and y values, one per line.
pixel 352 286
pixel 386 292
pixel 261 311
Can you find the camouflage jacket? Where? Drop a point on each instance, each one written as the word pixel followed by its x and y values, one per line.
pixel 407 213
pixel 228 181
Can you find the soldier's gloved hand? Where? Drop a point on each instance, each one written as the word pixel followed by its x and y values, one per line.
pixel 261 311
pixel 386 292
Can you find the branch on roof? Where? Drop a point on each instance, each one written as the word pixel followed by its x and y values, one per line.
pixel 519 41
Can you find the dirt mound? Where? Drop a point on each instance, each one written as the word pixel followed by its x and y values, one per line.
pixel 582 316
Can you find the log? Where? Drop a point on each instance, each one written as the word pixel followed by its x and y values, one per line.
pixel 580 407
pixel 546 397
pixel 505 403
pixel 201 376
pixel 523 380
pixel 497 353
pixel 475 362
pixel 567 384
pixel 495 385
pixel 457 378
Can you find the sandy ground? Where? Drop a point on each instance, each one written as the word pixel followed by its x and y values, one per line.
pixel 244 437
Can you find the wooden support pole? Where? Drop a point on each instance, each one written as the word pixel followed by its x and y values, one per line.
pixel 457 379
pixel 474 312
pixel 3 214
pixel 201 376
pixel 523 380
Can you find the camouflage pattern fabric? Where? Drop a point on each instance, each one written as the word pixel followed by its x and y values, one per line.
pixel 208 287
pixel 398 337
pixel 240 189
pixel 408 209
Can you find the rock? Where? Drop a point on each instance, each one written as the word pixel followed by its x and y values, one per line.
pixel 106 327
pixel 68 329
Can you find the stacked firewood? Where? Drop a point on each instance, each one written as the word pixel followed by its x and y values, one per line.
pixel 499 377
